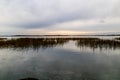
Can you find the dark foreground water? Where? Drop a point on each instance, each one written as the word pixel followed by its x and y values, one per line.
pixel 60 59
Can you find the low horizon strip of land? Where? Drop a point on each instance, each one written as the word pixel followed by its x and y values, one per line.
pixel 62 35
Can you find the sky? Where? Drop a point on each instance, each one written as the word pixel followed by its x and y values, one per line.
pixel 49 17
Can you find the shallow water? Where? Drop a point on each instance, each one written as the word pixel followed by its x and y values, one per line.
pixel 61 60
pixel 33 36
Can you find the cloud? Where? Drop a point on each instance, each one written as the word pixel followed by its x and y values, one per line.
pixel 7 30
pixel 78 27
pixel 42 14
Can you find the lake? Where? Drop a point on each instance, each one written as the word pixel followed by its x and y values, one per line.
pixel 60 58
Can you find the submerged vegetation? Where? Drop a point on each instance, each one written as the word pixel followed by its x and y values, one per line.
pixel 36 43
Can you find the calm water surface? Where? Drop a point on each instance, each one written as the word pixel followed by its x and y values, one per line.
pixel 60 60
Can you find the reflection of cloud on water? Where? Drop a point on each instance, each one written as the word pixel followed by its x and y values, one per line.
pixel 57 62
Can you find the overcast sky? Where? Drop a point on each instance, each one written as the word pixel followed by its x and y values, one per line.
pixel 59 16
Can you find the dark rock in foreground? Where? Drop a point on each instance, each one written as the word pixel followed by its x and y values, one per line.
pixel 29 79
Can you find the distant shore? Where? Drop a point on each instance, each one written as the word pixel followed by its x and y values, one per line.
pixel 54 35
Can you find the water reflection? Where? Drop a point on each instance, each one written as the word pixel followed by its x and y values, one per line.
pixel 56 62
pixel 94 44
pixel 60 64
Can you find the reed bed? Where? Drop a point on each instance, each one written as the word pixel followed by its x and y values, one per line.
pixel 52 42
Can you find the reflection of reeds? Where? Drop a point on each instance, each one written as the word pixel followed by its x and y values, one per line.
pixel 3 38
pixel 111 44
pixel 31 42
pixel 117 38
pixel 51 42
